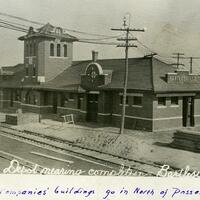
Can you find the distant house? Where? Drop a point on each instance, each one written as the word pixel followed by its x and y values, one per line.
pixel 49 82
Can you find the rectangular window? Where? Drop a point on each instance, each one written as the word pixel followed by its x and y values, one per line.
pixel 46 98
pixel 174 100
pixel 71 96
pixel 17 95
pixel 80 98
pixel 137 101
pixel 162 101
pixel 34 100
pixel 121 99
pixel 127 100
pixel 34 70
pixel 26 70
pixel 62 100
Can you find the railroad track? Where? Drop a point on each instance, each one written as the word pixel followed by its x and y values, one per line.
pixel 64 146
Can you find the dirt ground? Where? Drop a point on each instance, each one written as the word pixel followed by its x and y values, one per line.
pixel 137 145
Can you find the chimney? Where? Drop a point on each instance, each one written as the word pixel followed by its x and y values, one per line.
pixel 94 56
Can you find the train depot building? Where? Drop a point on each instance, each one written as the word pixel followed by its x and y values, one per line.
pixel 50 83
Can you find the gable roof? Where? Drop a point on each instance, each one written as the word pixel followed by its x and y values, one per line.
pixel 48 31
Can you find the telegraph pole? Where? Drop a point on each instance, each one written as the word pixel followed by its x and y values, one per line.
pixel 126 29
pixel 191 62
pixel 178 56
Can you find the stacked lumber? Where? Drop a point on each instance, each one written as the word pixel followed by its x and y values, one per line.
pixel 186 140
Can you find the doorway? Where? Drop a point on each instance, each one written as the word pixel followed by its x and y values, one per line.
pixel 92 107
pixel 55 103
pixel 188 111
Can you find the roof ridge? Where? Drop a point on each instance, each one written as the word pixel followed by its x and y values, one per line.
pixel 104 59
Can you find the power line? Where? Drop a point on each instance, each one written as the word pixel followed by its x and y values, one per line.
pixel 178 56
pixel 39 23
pixel 11 28
pixel 95 42
pixel 17 28
pixel 97 39
pixel 20 27
pixel 20 18
pixel 18 24
pixel 191 59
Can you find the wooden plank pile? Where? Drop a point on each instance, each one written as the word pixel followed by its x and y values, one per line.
pixel 186 140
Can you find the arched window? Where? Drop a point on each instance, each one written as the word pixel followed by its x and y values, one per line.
pixel 65 50
pixel 58 50
pixel 51 49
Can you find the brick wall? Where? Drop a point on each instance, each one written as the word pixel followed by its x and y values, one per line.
pixel 168 116
pixel 137 117
pixel 51 66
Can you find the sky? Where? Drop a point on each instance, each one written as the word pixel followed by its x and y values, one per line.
pixel 171 25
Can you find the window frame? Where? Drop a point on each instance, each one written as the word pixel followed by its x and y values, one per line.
pixel 161 103
pixel 52 50
pixel 121 100
pixel 26 70
pixel 58 50
pixel 176 102
pixel 137 104
pixel 71 96
pixel 34 70
pixel 65 50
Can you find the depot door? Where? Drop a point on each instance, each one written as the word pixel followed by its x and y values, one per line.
pixel 55 103
pixel 92 107
pixel 188 111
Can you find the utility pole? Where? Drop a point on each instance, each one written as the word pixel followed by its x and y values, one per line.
pixel 126 29
pixel 178 56
pixel 191 58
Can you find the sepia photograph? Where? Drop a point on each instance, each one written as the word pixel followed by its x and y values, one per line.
pixel 100 88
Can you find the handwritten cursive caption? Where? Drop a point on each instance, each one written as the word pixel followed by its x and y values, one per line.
pixel 16 168
pixel 107 194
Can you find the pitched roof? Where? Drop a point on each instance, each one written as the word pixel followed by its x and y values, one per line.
pixel 144 74
pixel 160 83
pixel 48 31
pixel 14 80
pixel 139 69
pixel 13 69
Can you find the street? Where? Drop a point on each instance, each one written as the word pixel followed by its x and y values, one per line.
pixel 48 158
